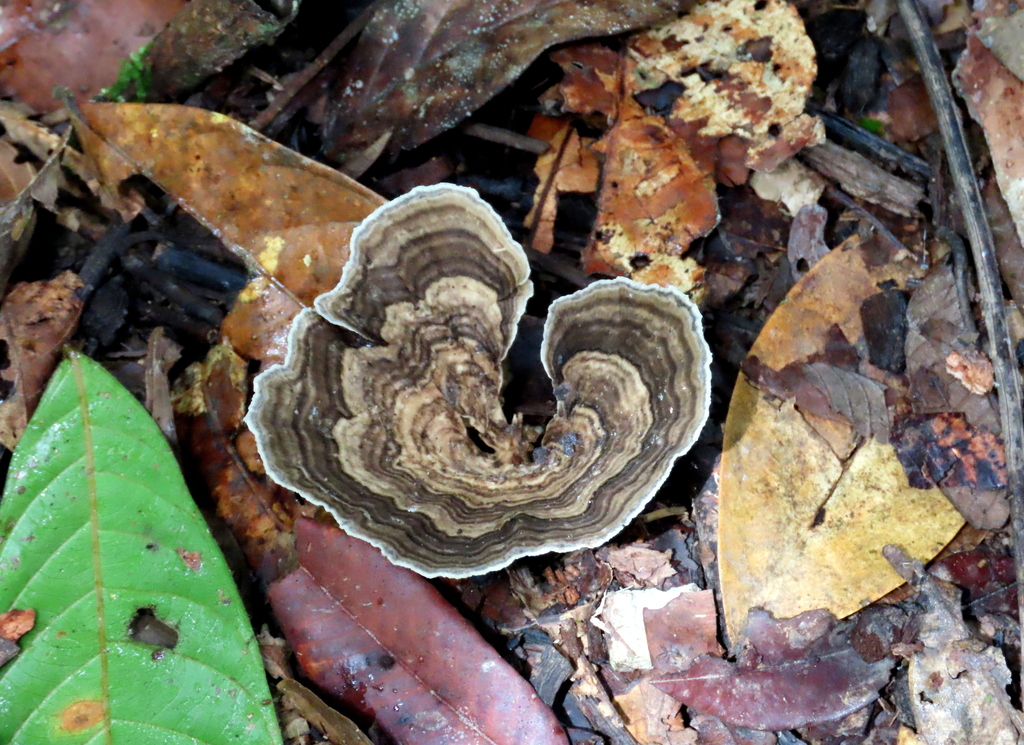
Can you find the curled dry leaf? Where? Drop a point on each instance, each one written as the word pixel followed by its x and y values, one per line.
pixel 421 67
pixel 287 216
pixel 788 674
pixel 801 524
pixel 15 623
pixel 405 441
pixel 36 320
pixel 385 642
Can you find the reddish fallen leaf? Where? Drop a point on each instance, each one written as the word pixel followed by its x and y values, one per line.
pixel 210 402
pixel 713 731
pixel 385 642
pixel 79 45
pixel 590 82
pixel 791 673
pixel 988 578
pixel 36 320
pixel 14 624
pixel 995 97
pixel 682 630
pixel 911 116
pixel 419 68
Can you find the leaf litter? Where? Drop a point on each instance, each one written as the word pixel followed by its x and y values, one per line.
pixel 873 360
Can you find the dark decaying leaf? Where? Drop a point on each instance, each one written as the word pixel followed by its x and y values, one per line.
pixel 36 320
pixel 383 640
pixel 987 576
pixel 938 325
pixel 827 385
pixel 968 463
pixel 790 673
pixel 204 38
pixel 420 67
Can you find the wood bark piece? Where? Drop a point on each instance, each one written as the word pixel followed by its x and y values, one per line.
pixel 385 642
pixel 383 435
pixel 862 178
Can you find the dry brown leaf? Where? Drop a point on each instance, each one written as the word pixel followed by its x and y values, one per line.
pixel 652 716
pixel 737 68
pixel 799 529
pixel 78 45
pixel 36 320
pixel 638 565
pixel 14 176
pixel 288 216
pixel 654 198
pixel 15 623
pixel 420 67
pixel 569 166
pixel 590 82
pixel 807 237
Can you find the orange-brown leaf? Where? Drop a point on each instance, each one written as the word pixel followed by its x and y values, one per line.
pixel 288 216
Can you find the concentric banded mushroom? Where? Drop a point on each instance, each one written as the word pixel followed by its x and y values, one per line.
pixel 384 430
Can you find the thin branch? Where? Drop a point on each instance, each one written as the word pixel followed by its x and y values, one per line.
pixel 982 246
pixel 273 118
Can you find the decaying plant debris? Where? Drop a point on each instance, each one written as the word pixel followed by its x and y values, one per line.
pixel 640 404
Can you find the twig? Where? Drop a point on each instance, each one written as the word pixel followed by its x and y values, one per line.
pixel 982 246
pixel 268 120
pixel 851 204
pixel 871 145
pixel 505 137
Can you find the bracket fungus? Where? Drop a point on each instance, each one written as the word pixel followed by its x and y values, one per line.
pixel 388 408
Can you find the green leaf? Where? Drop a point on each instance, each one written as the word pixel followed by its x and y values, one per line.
pixel 96 524
pixel 874 126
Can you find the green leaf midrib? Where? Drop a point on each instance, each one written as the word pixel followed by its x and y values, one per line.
pixel 97 561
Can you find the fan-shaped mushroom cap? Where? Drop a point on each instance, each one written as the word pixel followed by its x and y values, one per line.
pixel 382 433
